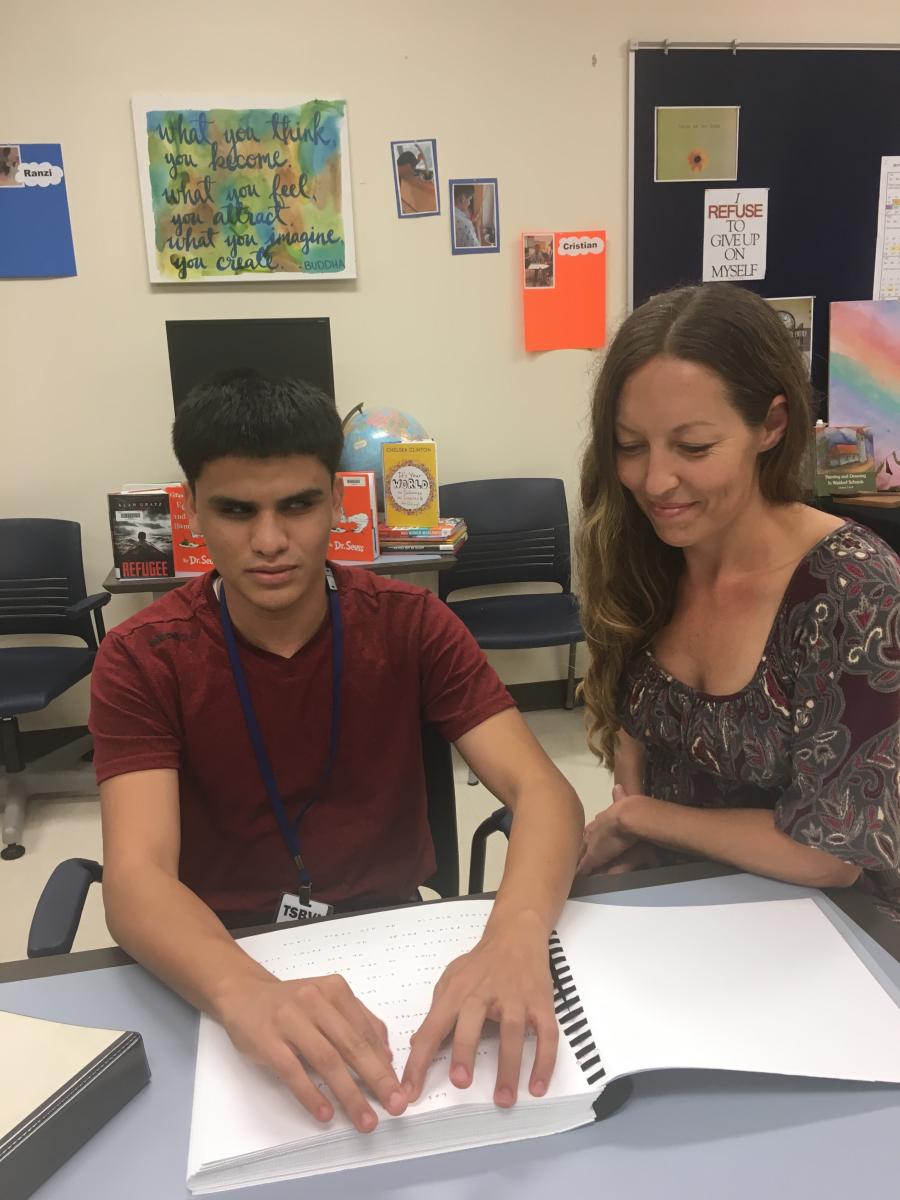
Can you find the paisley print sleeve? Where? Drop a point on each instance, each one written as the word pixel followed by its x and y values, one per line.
pixel 844 645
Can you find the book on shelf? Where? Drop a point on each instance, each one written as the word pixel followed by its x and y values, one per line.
pixel 65 1083
pixel 845 459
pixel 141 530
pixel 151 533
pixel 636 989
pixel 410 474
pixel 422 547
pixel 355 537
pixel 446 537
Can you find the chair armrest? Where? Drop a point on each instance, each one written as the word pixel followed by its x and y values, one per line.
pixel 91 604
pixel 59 909
pixel 500 821
pixel 82 607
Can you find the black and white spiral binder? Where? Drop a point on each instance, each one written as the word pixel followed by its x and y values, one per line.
pixel 574 1023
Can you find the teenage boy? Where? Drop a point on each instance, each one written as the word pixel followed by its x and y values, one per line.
pixel 257 733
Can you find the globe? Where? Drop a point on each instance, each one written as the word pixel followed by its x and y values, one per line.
pixel 367 430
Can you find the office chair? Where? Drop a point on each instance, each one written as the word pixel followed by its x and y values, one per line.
pixel 518 533
pixel 59 909
pixel 41 592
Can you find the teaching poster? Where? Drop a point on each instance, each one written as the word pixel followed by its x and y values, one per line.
pixel 245 189
pixel 35 233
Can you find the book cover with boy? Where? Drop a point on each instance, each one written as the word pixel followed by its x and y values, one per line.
pixel 410 484
pixel 355 537
pixel 141 535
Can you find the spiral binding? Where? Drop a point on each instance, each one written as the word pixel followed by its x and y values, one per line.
pixel 570 1013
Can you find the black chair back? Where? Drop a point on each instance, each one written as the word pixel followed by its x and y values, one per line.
pixel 441 811
pixel 41 575
pixel 518 533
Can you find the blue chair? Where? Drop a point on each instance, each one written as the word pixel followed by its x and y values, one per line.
pixel 518 533
pixel 41 592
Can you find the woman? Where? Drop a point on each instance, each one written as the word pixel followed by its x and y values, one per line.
pixel 744 683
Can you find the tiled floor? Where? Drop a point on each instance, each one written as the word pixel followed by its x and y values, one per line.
pixel 60 828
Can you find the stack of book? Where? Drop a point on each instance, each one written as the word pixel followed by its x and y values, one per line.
pixel 446 537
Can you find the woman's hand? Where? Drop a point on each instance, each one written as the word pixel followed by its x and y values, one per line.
pixel 605 839
pixel 640 856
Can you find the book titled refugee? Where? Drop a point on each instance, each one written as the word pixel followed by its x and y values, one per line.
pixel 141 528
pixel 61 1084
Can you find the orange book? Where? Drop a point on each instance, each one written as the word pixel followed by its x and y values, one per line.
pixel 355 537
pixel 188 548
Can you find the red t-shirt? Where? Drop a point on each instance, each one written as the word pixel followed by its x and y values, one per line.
pixel 163 696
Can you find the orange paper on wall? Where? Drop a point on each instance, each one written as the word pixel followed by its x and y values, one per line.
pixel 564 290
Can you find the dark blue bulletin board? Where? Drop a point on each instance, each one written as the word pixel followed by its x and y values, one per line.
pixel 814 125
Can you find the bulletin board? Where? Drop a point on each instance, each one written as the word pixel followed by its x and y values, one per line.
pixel 814 125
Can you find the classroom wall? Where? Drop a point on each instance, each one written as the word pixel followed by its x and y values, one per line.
pixel 530 92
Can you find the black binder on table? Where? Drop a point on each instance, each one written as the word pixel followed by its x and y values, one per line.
pixel 59 1084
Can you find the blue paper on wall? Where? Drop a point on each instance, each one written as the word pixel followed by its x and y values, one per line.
pixel 35 234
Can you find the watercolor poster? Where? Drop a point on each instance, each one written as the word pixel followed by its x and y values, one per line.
pixel 696 143
pixel 35 232
pixel 796 315
pixel 864 377
pixel 564 290
pixel 244 189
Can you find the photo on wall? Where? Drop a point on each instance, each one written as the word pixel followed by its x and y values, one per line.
pixel 416 183
pixel 538 260
pixel 10 161
pixel 696 143
pixel 796 315
pixel 475 216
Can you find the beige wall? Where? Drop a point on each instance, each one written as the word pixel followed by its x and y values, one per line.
pixel 529 91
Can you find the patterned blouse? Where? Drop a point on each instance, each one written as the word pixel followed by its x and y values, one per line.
pixel 815 735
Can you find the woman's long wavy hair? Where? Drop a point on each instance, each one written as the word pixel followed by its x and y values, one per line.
pixel 627 576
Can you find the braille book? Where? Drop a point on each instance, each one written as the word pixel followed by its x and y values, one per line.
pixel 739 987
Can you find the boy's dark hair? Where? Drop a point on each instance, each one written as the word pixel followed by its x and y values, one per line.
pixel 243 414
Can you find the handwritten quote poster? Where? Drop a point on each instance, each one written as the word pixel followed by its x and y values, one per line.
pixel 244 190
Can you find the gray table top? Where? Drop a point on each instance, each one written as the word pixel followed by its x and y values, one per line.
pixel 682 1133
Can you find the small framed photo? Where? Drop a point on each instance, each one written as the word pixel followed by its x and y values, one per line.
pixel 475 216
pixel 416 178
pixel 539 263
pixel 10 161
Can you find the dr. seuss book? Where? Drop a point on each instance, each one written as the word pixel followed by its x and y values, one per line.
pixel 355 537
pixel 188 546
pixel 410 483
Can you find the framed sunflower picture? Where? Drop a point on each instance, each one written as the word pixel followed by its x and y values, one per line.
pixel 695 144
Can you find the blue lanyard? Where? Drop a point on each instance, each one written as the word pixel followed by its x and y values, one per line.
pixel 289 831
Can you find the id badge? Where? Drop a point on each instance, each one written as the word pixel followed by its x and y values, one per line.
pixel 290 909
